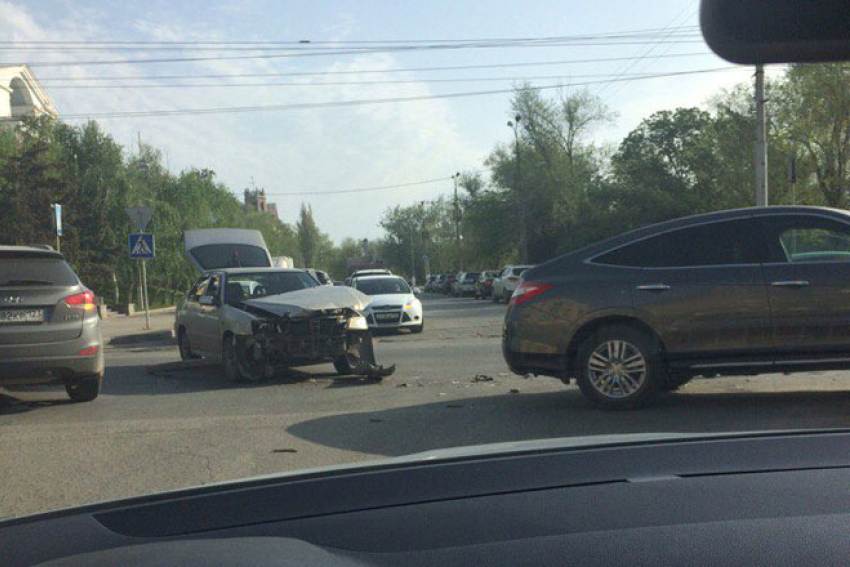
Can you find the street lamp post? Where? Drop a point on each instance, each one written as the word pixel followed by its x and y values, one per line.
pixel 523 231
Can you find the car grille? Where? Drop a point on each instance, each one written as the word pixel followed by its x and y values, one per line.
pixel 386 307
pixel 316 336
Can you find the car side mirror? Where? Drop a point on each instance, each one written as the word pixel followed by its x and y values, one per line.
pixel 208 300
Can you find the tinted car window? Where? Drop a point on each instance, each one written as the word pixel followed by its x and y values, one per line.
pixel 816 243
pixel 36 271
pixel 704 245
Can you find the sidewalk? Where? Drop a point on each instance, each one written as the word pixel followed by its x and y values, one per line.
pixel 121 329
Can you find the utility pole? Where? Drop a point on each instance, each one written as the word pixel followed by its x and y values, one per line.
pixel 458 244
pixel 761 141
pixel 412 257
pixel 792 177
pixel 523 230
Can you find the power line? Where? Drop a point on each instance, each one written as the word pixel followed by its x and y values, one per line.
pixel 370 189
pixel 366 71
pixel 358 102
pixel 667 26
pixel 341 83
pixel 412 48
pixel 302 42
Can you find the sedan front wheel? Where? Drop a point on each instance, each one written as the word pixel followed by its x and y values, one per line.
pixel 619 367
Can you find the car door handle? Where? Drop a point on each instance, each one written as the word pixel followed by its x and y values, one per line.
pixel 790 283
pixel 653 287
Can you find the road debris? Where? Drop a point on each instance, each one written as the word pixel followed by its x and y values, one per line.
pixel 514 391
pixel 375 419
pixel 504 374
pixel 454 405
pixel 482 378
pixel 284 450
pixel 529 376
pixel 402 385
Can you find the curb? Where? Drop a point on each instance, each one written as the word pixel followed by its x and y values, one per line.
pixel 151 336
pixel 152 311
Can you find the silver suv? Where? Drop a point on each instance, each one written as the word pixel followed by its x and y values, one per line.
pixel 49 327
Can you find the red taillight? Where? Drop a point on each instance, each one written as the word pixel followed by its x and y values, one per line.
pixel 527 290
pixel 84 301
pixel 91 351
pixel 512 279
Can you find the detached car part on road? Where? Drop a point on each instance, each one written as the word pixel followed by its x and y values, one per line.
pixel 746 291
pixel 257 319
pixel 49 326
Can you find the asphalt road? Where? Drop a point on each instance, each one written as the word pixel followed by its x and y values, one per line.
pixel 153 429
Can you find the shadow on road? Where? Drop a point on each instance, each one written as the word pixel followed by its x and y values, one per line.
pixel 10 404
pixel 496 419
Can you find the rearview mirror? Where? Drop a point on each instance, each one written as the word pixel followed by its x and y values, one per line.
pixel 208 300
pixel 777 31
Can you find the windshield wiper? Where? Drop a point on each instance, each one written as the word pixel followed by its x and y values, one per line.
pixel 10 283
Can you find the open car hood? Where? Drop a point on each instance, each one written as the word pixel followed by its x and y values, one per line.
pixel 301 302
pixel 219 248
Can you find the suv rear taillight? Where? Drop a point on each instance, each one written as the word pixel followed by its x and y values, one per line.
pixel 84 301
pixel 528 290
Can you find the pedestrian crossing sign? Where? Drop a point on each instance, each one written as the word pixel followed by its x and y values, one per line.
pixel 141 246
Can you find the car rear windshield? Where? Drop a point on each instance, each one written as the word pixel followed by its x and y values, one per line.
pixel 382 286
pixel 519 271
pixel 15 272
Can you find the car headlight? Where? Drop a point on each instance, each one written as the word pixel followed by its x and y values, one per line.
pixel 358 323
pixel 409 304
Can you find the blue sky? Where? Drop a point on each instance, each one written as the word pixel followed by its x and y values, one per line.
pixel 359 146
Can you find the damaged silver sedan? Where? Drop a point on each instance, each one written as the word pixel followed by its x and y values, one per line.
pixel 259 320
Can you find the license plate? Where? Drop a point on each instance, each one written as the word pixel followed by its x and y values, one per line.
pixel 21 316
pixel 386 317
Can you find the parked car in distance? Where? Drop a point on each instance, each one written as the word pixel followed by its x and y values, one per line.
pixel 465 284
pixel 448 283
pixel 727 293
pixel 49 326
pixel 429 282
pixel 367 272
pixel 437 286
pixel 393 304
pixel 484 285
pixel 507 281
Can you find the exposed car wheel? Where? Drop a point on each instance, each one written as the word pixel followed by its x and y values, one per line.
pixel 184 346
pixel 418 328
pixel 84 389
pixel 237 367
pixel 619 367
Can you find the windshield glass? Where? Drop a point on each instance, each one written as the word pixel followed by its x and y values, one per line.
pixel 262 284
pixel 563 209
pixel 382 286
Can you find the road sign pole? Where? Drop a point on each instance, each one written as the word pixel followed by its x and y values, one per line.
pixel 145 296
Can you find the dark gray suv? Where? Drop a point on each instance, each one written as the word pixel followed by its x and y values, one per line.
pixel 49 327
pixel 745 291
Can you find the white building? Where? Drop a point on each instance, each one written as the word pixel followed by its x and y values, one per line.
pixel 21 95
